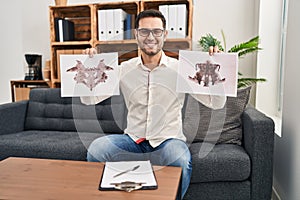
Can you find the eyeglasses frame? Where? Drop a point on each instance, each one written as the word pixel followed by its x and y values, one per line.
pixel 150 31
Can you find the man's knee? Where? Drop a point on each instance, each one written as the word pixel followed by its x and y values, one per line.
pixel 177 152
pixel 96 150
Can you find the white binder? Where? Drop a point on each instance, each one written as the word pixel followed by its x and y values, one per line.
pixel 119 17
pixel 164 9
pixel 172 25
pixel 181 21
pixel 102 25
pixel 61 30
pixel 110 24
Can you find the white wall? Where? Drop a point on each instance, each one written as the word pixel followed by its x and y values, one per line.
pixel 28 31
pixel 11 46
pixel 24 29
pixel 268 61
pixel 287 148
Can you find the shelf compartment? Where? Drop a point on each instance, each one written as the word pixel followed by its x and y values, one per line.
pixel 154 4
pixel 131 8
pixel 81 17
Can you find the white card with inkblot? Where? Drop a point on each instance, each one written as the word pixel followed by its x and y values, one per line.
pixel 200 73
pixel 82 75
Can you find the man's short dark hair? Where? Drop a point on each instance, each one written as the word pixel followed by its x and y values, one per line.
pixel 150 13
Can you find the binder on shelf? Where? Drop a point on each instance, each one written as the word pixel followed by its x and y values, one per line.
pixel 119 17
pixel 133 17
pixel 181 21
pixel 127 27
pixel 164 9
pixel 110 24
pixel 64 30
pixel 56 30
pixel 128 176
pixel 102 33
pixel 172 18
pixel 61 30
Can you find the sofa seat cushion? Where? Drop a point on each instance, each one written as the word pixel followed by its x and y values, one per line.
pixel 47 144
pixel 222 162
pixel 236 190
pixel 47 110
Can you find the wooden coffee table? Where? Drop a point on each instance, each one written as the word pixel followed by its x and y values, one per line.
pixel 27 178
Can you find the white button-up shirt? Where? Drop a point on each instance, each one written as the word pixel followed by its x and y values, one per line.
pixel 154 106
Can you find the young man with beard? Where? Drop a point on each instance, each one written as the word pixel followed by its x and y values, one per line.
pixel 154 121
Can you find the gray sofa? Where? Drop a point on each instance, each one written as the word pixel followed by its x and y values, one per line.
pixel 48 126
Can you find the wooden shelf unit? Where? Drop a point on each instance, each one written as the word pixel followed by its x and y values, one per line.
pixel 85 18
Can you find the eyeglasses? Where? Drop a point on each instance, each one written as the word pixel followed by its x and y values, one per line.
pixel 144 32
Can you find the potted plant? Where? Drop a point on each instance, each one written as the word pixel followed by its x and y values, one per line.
pixel 242 49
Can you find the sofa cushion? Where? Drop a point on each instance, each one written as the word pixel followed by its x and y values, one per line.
pixel 47 144
pixel 238 190
pixel 216 126
pixel 222 162
pixel 47 110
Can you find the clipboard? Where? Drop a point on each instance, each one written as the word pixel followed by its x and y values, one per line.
pixel 128 176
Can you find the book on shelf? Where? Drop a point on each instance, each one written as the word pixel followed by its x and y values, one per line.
pixel 64 30
pixel 129 25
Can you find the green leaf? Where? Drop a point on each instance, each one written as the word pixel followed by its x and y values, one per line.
pixel 246 47
pixel 244 82
pixel 208 41
pixel 247 51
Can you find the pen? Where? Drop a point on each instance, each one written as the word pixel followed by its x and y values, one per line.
pixel 126 171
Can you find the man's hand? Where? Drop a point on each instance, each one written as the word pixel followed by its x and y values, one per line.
pixel 213 50
pixel 90 51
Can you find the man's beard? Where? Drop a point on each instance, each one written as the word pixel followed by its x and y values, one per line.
pixel 149 52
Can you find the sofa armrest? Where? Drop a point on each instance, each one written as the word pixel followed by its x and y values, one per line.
pixel 12 117
pixel 258 140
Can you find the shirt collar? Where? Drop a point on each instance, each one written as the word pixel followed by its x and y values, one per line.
pixel 163 61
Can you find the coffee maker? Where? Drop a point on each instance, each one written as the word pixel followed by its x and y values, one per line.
pixel 34 62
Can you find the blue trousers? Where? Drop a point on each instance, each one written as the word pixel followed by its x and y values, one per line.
pixel 120 147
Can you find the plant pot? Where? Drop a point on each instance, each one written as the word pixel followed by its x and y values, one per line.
pixel 61 2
